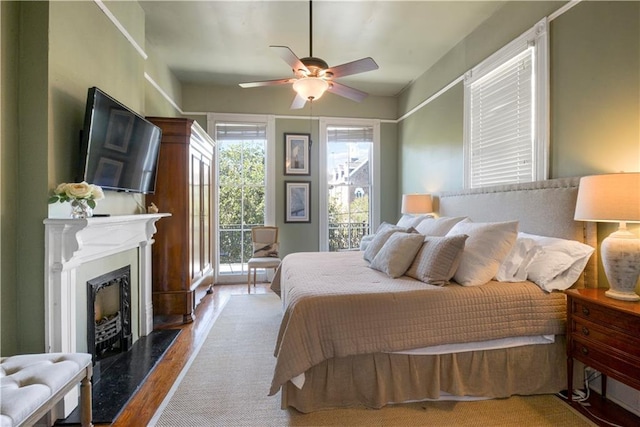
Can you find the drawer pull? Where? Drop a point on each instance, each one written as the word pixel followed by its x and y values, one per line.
pixel 585 311
pixel 585 350
pixel 585 330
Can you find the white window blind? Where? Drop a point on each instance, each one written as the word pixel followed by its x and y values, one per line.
pixel 505 116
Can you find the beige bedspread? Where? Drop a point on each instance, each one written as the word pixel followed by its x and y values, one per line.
pixel 335 305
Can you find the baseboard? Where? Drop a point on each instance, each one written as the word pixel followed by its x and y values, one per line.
pixel 621 394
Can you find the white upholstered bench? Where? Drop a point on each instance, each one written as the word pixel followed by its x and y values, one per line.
pixel 32 384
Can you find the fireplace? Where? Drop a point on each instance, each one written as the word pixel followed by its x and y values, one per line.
pixel 109 315
pixel 72 243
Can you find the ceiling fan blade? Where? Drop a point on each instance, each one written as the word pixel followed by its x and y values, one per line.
pixel 347 92
pixel 290 58
pixel 354 67
pixel 298 102
pixel 267 83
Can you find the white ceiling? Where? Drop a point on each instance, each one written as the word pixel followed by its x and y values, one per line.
pixel 227 42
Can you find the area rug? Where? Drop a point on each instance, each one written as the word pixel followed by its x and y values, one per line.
pixel 227 381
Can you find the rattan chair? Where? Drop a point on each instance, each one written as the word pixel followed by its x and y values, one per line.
pixel 265 251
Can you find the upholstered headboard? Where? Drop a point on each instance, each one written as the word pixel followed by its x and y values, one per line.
pixel 543 207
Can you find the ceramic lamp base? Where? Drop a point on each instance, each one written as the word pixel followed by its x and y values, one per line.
pixel 621 260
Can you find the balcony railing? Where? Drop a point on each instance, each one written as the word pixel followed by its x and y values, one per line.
pixel 346 235
pixel 236 248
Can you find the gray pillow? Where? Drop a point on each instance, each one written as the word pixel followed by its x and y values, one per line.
pixel 437 260
pixel 378 241
pixel 397 254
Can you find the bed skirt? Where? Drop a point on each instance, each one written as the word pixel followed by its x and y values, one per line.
pixel 379 379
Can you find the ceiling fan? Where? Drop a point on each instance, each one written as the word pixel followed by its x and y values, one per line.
pixel 313 76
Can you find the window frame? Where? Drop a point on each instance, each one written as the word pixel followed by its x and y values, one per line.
pixel 537 39
pixel 323 191
pixel 270 181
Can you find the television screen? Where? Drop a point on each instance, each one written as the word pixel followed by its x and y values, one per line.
pixel 119 148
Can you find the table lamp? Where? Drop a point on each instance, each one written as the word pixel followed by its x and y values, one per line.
pixel 614 198
pixel 416 204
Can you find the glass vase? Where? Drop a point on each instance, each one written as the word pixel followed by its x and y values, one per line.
pixel 80 209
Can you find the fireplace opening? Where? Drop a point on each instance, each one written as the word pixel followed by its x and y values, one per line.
pixel 108 316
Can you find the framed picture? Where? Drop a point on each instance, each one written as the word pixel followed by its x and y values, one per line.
pixel 296 154
pixel 297 202
pixel 119 130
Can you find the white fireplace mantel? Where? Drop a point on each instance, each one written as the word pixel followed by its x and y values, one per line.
pixel 69 243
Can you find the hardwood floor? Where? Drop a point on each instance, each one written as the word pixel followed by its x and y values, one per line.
pixel 144 404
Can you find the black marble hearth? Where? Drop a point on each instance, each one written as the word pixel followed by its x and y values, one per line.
pixel 122 375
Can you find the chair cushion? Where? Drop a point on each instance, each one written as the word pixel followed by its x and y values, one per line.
pixel 28 381
pixel 264 262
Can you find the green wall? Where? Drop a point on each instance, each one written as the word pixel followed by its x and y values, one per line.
pixel 52 52
pixel 594 94
pixel 9 26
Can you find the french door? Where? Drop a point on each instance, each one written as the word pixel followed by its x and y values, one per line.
pixel 244 189
pixel 349 199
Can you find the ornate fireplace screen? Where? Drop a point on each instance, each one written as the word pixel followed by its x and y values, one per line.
pixel 109 314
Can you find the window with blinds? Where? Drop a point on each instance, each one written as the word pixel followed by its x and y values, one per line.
pixel 506 114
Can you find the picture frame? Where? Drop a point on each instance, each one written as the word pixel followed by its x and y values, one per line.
pixel 297 152
pixel 297 202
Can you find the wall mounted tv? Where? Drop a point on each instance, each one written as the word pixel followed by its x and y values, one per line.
pixel 119 149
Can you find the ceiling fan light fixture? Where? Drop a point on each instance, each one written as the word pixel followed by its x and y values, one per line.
pixel 310 88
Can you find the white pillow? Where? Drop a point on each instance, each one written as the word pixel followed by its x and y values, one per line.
pixel 559 262
pixel 437 226
pixel 485 249
pixel 397 254
pixel 514 266
pixel 407 220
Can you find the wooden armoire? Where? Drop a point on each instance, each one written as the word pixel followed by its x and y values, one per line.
pixel 182 257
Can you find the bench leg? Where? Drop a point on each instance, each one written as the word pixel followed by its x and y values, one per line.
pixel 85 402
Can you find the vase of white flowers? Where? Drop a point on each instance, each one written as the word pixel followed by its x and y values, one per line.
pixel 81 195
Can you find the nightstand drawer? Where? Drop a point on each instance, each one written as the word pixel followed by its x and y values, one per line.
pixel 599 358
pixel 593 332
pixel 611 318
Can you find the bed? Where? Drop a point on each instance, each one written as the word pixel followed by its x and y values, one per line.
pixel 354 336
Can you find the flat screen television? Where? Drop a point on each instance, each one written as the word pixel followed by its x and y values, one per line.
pixel 119 149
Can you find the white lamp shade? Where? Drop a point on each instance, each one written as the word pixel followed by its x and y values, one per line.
pixel 416 204
pixel 609 198
pixel 310 87
pixel 614 198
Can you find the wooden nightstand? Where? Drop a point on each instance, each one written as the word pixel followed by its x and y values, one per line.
pixel 603 333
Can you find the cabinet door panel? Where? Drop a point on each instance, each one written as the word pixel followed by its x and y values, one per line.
pixel 206 215
pixel 195 217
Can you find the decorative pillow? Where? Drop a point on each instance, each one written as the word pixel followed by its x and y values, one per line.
pixel 438 226
pixel 265 250
pixel 437 259
pixel 407 220
pixel 485 249
pixel 371 247
pixel 514 266
pixel 558 263
pixel 397 253
pixel 378 241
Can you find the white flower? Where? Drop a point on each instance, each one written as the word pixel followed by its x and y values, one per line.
pixel 96 192
pixel 72 192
